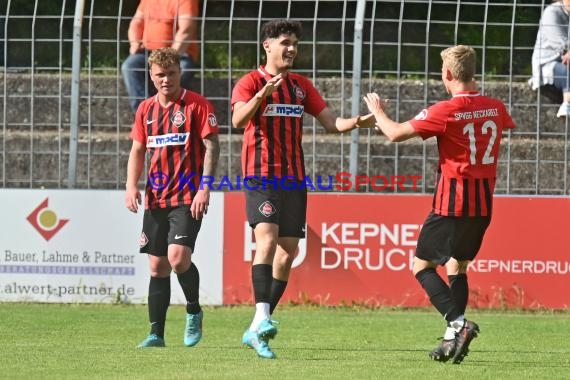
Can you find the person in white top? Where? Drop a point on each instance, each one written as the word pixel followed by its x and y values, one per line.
pixel 551 55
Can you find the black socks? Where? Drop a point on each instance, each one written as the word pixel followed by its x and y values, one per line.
pixel 261 277
pixel 158 302
pixel 190 283
pixel 439 293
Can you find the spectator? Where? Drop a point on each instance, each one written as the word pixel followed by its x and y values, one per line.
pixel 158 24
pixel 550 58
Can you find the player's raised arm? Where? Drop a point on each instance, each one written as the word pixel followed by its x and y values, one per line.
pixel 334 124
pixel 394 131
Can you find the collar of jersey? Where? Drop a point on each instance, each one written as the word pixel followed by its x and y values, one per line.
pixel 264 73
pixel 467 93
pixel 182 93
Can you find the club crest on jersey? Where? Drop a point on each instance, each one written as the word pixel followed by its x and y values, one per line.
pixel 212 120
pixel 178 119
pixel 267 209
pixel 143 240
pixel 299 93
pixel 422 115
pixel 290 110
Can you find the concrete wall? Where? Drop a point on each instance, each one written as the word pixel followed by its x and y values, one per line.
pixel 39 123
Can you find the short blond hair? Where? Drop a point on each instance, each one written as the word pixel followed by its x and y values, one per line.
pixel 461 61
pixel 164 57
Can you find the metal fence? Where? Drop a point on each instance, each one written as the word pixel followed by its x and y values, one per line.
pixel 62 128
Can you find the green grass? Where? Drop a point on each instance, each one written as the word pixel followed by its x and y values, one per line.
pixel 98 342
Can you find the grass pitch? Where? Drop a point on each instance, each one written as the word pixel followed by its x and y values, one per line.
pixel 98 342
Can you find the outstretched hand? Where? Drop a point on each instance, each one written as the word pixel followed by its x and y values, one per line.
pixel 374 103
pixel 366 121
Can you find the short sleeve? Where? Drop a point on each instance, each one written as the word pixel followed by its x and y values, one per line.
pixel 430 121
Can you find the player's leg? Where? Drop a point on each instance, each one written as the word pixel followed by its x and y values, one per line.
pixel 154 243
pixel 284 255
pixel 266 236
pixel 261 327
pixel 292 226
pixel 434 248
pixel 457 276
pixel 263 207
pixel 182 239
pixel 468 330
pixel 469 237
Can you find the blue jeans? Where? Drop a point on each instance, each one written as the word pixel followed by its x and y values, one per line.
pixel 562 77
pixel 137 80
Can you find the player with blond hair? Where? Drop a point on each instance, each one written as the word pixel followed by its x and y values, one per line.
pixel 468 128
pixel 179 131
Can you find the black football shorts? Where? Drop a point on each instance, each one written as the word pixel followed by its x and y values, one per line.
pixel 284 204
pixel 165 226
pixel 443 237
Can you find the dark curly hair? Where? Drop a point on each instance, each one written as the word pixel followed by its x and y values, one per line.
pixel 275 28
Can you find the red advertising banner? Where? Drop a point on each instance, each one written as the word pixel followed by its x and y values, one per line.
pixel 359 249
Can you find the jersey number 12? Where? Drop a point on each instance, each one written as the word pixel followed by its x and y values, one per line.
pixel 469 129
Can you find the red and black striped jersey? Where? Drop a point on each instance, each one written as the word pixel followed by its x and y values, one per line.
pixel 468 128
pixel 272 138
pixel 173 138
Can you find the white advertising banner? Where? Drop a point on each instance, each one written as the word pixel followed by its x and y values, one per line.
pixel 82 246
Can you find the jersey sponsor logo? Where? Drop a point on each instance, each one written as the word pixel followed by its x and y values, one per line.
pixel 422 115
pixel 291 110
pixel 299 93
pixel 178 119
pixel 167 139
pixel 212 120
pixel 267 209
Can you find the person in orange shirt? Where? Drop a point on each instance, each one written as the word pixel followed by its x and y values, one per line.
pixel 158 24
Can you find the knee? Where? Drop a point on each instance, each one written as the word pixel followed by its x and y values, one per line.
pixel 159 271
pixel 266 247
pixel 420 265
pixel 180 267
pixel 284 258
pixel 462 267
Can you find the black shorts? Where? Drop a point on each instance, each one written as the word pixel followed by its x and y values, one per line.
pixel 165 226
pixel 443 237
pixel 284 205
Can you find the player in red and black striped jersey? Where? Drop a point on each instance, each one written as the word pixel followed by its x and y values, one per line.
pixel 179 131
pixel 468 128
pixel 269 103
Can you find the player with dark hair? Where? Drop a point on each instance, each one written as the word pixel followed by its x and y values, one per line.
pixel 269 103
pixel 178 129
pixel 468 128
